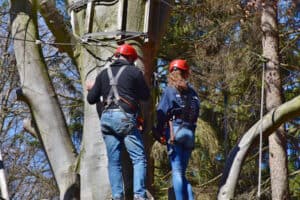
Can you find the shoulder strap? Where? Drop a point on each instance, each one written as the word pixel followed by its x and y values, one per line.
pixel 113 95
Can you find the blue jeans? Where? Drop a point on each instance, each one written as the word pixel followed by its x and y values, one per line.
pixel 119 130
pixel 179 155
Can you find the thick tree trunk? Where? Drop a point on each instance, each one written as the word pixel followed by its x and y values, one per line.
pixel 277 141
pixel 270 122
pixel 40 96
pixel 93 161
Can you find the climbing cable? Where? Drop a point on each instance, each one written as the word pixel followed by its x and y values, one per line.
pixel 81 42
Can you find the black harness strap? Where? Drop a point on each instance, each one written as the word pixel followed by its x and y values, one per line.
pixel 113 95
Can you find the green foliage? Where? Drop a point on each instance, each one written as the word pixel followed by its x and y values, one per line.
pixel 295 186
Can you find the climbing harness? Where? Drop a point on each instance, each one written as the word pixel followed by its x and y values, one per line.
pixel 113 95
pixel 189 110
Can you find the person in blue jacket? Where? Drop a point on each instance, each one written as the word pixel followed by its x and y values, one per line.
pixel 177 114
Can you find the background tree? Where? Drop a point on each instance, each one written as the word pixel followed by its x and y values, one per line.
pixel 277 141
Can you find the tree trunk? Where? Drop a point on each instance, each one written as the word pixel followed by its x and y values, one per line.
pixel 37 90
pixel 270 122
pixel 277 141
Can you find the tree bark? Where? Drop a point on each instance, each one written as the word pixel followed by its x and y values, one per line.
pixel 270 122
pixel 277 141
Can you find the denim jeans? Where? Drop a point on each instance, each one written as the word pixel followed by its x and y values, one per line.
pixel 179 155
pixel 118 131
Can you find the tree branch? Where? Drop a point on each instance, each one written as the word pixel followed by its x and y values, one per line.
pixel 270 122
pixel 56 23
pixel 29 126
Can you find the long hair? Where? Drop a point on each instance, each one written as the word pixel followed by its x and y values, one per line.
pixel 176 79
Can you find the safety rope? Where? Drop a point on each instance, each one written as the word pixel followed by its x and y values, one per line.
pixel 260 130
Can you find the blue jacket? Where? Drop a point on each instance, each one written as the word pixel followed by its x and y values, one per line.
pixel 180 107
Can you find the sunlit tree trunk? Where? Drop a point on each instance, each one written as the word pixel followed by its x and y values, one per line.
pixel 37 91
pixel 277 141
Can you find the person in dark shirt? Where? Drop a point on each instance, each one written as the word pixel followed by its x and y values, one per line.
pixel 118 89
pixel 177 115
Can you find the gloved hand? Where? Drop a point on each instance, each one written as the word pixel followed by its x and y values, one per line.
pixel 159 136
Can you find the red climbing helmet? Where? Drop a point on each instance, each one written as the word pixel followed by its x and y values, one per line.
pixel 126 50
pixel 178 64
